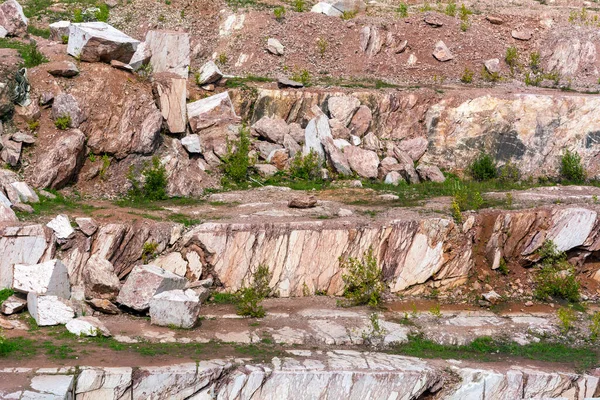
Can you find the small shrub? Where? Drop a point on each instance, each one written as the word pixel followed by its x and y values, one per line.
pixel 566 317
pixel 377 332
pixel 595 326
pixel 571 168
pixel 155 181
pixel 307 168
pixel 456 213
pixel 63 122
pixel 64 39
pixel 483 168
pixel 348 15
pixel 512 58
pixel 402 10
pixel 279 13
pixel 555 277
pixel 464 13
pixel 77 15
pixel 450 9
pixel 248 299
pixel 322 47
pixel 103 13
pixel 362 280
pixel 5 294
pixel 534 61
pixel 533 79
pixel 237 161
pixel 33 125
pixel 299 5
pixel 509 200
pixel 144 72
pixel 222 59
pixel 436 311
pixel 509 173
pixel 465 199
pixel 302 76
pixel 32 56
pixel 467 76
pixel 104 167
pixel 425 7
pixel 503 267
pixel 464 26
pixel 490 76
pixel 149 251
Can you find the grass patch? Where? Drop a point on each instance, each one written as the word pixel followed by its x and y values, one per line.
pixel 29 52
pixel 41 32
pixel 240 82
pixel 184 219
pixel 17 347
pixel 59 205
pixel 223 298
pixel 489 349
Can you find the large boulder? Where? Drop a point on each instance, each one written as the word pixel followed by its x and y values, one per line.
pixel 12 18
pixel 48 278
pixel 99 279
pixel 430 173
pixel 212 111
pixel 316 133
pixel 146 281
pixel 170 52
pixel 171 91
pixel 272 129
pixel 30 244
pixel 175 308
pixel 60 162
pixel 87 326
pixel 327 9
pixel 24 193
pixel 337 158
pixel 363 162
pixel 98 41
pixel 49 310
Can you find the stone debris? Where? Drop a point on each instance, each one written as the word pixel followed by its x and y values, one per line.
pixel 13 305
pixel 98 41
pixel 275 47
pixel 192 144
pixel 49 310
pixel 61 225
pixel 179 308
pixel 48 278
pixel 146 281
pixel 87 326
pixel 65 69
pixel 209 73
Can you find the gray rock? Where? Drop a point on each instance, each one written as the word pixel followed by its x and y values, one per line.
pixel 98 41
pixel 22 137
pixel 24 193
pixel 87 326
pixel 291 145
pixel 371 142
pixel 209 73
pixel 12 18
pixel 65 69
pixel 393 178
pixel 13 305
pixel 288 83
pixel 303 202
pixel 343 108
pixel 414 148
pixel 494 20
pixel 104 306
pixel 266 148
pixel 337 158
pixel 49 310
pixel 522 34
pixel 401 47
pixel 192 144
pixel 327 9
pixel 433 19
pixel 275 47
pixel 315 134
pixel 61 225
pixel 58 30
pixel 212 111
pixel 441 52
pixel 171 91
pixel 141 56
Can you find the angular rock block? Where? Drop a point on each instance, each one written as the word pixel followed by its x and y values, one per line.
pixel 12 18
pixel 98 41
pixel 211 111
pixel 49 310
pixel 171 90
pixel 48 278
pixel 175 308
pixel 25 193
pixel 170 52
pixel 145 282
pixel 99 279
pixel 61 225
pixel 87 326
pixel 13 305
pixel 59 29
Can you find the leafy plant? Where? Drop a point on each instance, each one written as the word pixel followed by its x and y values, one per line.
pixel 322 46
pixel 509 173
pixel 595 326
pixel 490 76
pixel 33 125
pixel 464 13
pixel 571 168
pixel 279 13
pixel 450 9
pixel 149 251
pixel 248 299
pixel 302 76
pixel 299 5
pixel 555 277
pixel 483 168
pixel 237 161
pixel 566 317
pixel 512 58
pixel 154 183
pixel 363 280
pixel 5 294
pixel 104 167
pixel 63 122
pixel 347 15
pixel 64 39
pixel 436 311
pixel 306 167
pixel 77 15
pixel 376 333
pixel 402 10
pixel 103 13
pixel 466 199
pixel 534 61
pixel 456 212
pixel 222 59
pixel 467 76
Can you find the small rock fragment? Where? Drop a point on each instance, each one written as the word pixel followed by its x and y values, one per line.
pixel 303 202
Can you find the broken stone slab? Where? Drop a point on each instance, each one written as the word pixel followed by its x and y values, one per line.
pixel 25 193
pixel 272 129
pixel 58 30
pixel 12 18
pixel 327 9
pixel 87 326
pixel 49 310
pixel 522 34
pixel 275 47
pixel 65 69
pixel 104 383
pixel 215 110
pixel 61 225
pixel 146 281
pixel 192 144
pixel 13 305
pixel 492 297
pixel 141 56
pixel 50 387
pixel 99 41
pixel 47 278
pixel 172 262
pixel 99 279
pixel 87 225
pixel 171 90
pixel 441 52
pixel 401 47
pixel 303 202
pixel 175 308
pixel 121 65
pixel 209 73
pixel 288 83
pixel 170 52
pixel 348 5
pixel 363 162
pixel 104 306
pixel 430 173
pixel 22 137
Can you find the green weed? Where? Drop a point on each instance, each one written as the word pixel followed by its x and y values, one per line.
pixel 363 281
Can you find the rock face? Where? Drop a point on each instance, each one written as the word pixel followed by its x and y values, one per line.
pixel 49 278
pixel 211 111
pixel 171 91
pixel 49 310
pixel 170 52
pixel 98 41
pixel 175 308
pixel 144 283
pixel 59 165
pixel 12 18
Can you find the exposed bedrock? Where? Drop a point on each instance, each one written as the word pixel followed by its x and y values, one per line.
pixel 411 249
